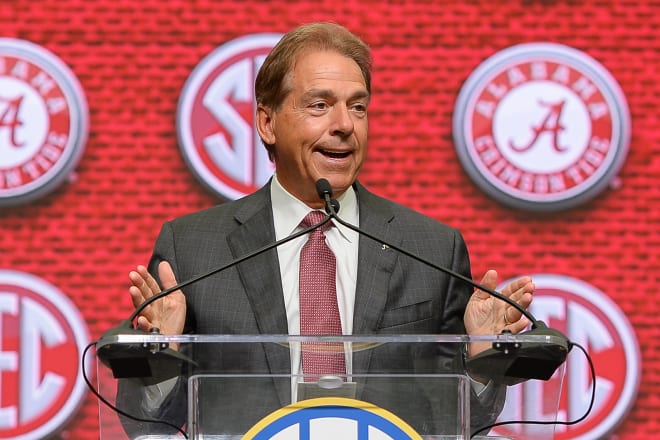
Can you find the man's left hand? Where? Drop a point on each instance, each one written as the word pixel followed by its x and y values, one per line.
pixel 487 315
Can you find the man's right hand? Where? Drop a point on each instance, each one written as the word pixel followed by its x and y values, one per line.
pixel 168 314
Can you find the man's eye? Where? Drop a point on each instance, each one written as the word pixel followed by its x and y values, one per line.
pixel 361 108
pixel 319 106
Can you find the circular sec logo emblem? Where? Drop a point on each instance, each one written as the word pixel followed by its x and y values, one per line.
pixel 541 127
pixel 43 121
pixel 328 418
pixel 42 337
pixel 588 317
pixel 215 118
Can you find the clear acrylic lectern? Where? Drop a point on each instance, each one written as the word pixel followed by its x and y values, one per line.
pixel 242 386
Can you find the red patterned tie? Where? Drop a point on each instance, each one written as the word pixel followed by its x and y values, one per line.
pixel 319 313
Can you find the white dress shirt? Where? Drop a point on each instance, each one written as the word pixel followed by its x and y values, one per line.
pixel 288 212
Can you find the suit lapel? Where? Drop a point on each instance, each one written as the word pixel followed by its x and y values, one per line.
pixel 260 276
pixel 376 262
pixel 375 266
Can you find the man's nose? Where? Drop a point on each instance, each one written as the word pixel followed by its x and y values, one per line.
pixel 342 122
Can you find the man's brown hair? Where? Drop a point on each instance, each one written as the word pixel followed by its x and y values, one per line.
pixel 270 85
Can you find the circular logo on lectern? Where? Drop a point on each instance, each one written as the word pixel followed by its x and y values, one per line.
pixel 43 121
pixel 587 316
pixel 42 336
pixel 541 126
pixel 215 118
pixel 331 418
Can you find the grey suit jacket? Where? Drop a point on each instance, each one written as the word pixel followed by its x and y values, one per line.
pixel 394 293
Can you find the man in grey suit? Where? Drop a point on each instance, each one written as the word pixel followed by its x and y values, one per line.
pixel 313 94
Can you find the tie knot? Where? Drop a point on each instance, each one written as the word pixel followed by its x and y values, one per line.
pixel 313 218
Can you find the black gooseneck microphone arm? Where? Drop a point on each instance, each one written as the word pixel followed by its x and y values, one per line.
pixel 331 207
pixel 128 323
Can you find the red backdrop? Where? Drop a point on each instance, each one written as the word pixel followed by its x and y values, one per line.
pixel 132 59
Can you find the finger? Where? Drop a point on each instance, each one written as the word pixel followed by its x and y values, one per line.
pixel 136 296
pixel 513 314
pixel 511 288
pixel 522 296
pixel 139 279
pixel 518 287
pixel 143 323
pixel 519 325
pixel 166 275
pixel 489 280
pixel 144 287
pixel 139 290
pixel 150 281
pixel 523 300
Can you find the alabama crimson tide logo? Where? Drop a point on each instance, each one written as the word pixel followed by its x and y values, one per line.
pixel 541 127
pixel 588 317
pixel 215 118
pixel 43 121
pixel 42 337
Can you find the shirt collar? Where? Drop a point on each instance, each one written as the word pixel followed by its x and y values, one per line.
pixel 288 211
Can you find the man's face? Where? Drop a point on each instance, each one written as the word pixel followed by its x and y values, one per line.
pixel 320 130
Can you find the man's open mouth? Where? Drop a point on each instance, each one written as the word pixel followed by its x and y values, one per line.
pixel 335 154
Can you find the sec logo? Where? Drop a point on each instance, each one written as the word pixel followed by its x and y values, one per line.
pixel 590 318
pixel 215 118
pixel 541 127
pixel 42 337
pixel 330 418
pixel 43 121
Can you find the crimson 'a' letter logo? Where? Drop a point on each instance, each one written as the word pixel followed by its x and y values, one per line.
pixel 215 118
pixel 541 127
pixel 43 121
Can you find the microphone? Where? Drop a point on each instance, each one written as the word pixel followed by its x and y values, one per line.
pixel 154 363
pixel 324 191
pixel 506 363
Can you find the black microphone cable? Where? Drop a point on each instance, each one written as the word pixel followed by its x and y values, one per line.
pixel 107 403
pixel 548 422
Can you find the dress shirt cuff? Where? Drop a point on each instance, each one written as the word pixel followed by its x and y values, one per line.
pixel 155 395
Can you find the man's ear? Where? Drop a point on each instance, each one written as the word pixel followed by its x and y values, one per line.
pixel 265 124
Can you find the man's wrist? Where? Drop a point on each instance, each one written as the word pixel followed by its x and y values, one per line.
pixel 470 350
